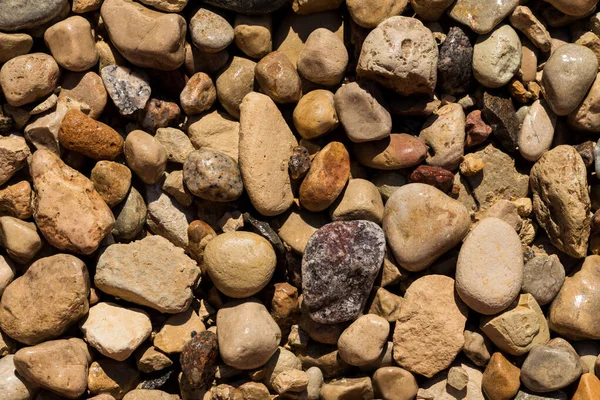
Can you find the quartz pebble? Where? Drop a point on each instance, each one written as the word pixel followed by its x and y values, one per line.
pixel 129 89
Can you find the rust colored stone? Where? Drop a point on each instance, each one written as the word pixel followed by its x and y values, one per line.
pixel 199 234
pixel 477 130
pixel 82 134
pixel 500 379
pixel 199 359
pixel 159 114
pixel 285 307
pixel 435 176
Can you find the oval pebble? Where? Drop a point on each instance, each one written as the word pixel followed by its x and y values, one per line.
pixel 213 176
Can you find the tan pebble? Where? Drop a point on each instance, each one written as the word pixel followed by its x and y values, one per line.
pixel 198 61
pixel 386 305
pixel 72 44
pixel 216 131
pixel 146 156
pixel 20 239
pixel 500 379
pixel 523 19
pixel 430 10
pixel 85 87
pixel 177 331
pixel 444 133
pixel 315 114
pixel 14 152
pixel 323 59
pixel 112 181
pixel 210 31
pixel 394 383
pixel 234 83
pixel 304 7
pixel 199 233
pixel 252 34
pixel 351 388
pixel 13 383
pixel 198 95
pixel 176 143
pixel 175 186
pixel 359 200
pixel 399 151
pixel 471 165
pixel 172 6
pixel 115 378
pixel 7 275
pixel 370 13
pixel 292 380
pixel 108 55
pixel 13 45
pixel 27 78
pixel 458 378
pixel 84 6
pixel 297 226
pixel 278 79
pixel 362 342
pixel 477 347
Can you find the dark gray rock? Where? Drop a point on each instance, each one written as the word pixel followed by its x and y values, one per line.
pixel 156 380
pixel 543 277
pixel 249 6
pixel 339 266
pixel 499 112
pixel 25 14
pixel 455 62
pixel 129 89
pixel 525 395
pixel 212 176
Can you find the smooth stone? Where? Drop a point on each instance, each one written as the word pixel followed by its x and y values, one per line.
pixel 444 133
pixel 577 8
pixel 266 144
pixel 67 209
pixel 568 74
pixel 430 10
pixel 112 181
pixel 235 81
pixel 15 152
pixel 347 388
pixel 198 95
pixel 480 17
pixel 210 32
pixel 585 117
pixel 72 44
pixel 314 6
pixel 560 199
pixel 199 359
pixel 370 13
pixel 421 223
pixel 129 89
pixel 57 365
pixel 363 111
pixel 336 258
pixel 315 114
pixel 543 277
pixel 398 151
pixel 25 313
pixel 324 58
pixel 146 156
pixel 20 239
pixel 247 334
pixel 7 275
pixel 115 378
pixel 84 87
pixel 12 384
pixel 497 57
pixel 455 62
pixel 573 312
pixel 550 367
pixel 130 216
pixel 429 302
pixel 24 14
pixel 362 342
pixel 212 176
pixel 394 383
pixel 27 78
pixel 177 331
pixel 359 200
pixel 215 131
pixel 13 45
pixel 386 304
pixel 500 379
pixel 537 131
pixel 253 34
pixel 411 71
pixel 151 272
pixel 278 78
pixel 240 264
pixel 158 114
pixel 146 38
pixel 588 387
pixel 248 6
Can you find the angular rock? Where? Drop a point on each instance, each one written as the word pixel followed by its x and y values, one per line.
pixel 359 200
pixel 176 143
pixel 112 377
pixel 438 387
pixel 479 16
pixel 444 133
pixel 15 200
pixel 394 383
pixel 166 217
pixel 455 62
pixel 129 89
pixel 215 131
pixel 500 113
pixel 370 13
pixel 199 359
pixel 84 87
pixel 13 156
pixel 148 359
pixel 235 81
pixel 586 117
pixel 550 367
pixel 177 331
pixel 248 6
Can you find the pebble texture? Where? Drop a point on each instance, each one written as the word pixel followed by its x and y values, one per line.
pixel 23 14
pixel 212 176
pixel 128 89
pixel 455 62
pixel 199 359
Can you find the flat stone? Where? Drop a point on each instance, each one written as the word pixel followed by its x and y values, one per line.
pixel 176 143
pixel 12 384
pixel 444 134
pixel 500 114
pixel 497 57
pixel 129 89
pixel 398 151
pixel 177 331
pixel 543 277
pixel 215 131
pixel 297 226
pixel 455 62
pixel 336 258
pixel 151 272
pixel 148 359
pixel 500 379
pixel 478 16
pixel 550 367
pixel 524 20
pixel 23 14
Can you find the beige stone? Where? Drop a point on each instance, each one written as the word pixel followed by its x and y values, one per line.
pixel 210 32
pixel 292 380
pixel 253 34
pixel 478 16
pixel 172 6
pixel 7 275
pixel 14 153
pixel 315 114
pixel 12 384
pixel 324 58
pixel 84 6
pixel 234 83
pixel 394 383
pixel 438 388
pixel 174 186
pixel 71 43
pixel 112 377
pixel 297 226
pixel 359 200
pixel 108 55
pixel 444 134
pixel 586 116
pixel 176 143
pixel 27 78
pixel 386 305
pixel 13 45
pixel 347 388
pixel 362 342
pixel 430 10
pixel 146 156
pixel 177 331
pixel 198 95
pixel 371 13
pixel 145 394
pixel 215 131
pixel 537 131
pixel 112 181
pixel 149 360
pixel 497 57
pixel 278 79
pixel 304 7
pixel 20 239
pixel 87 88
pixel 523 19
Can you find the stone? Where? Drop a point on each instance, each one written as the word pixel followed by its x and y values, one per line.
pixel 588 387
pixel 215 131
pixel 27 78
pixel 176 143
pixel 112 377
pixel 266 144
pixel 199 359
pixel 57 365
pixel 363 112
pixel 314 6
pixel 158 114
pixel 315 381
pixel 437 177
pixel 444 134
pixel 129 89
pixel 359 200
pixel 130 216
pixel 82 134
pixel 197 61
pixel 550 367
pixel 146 38
pixel 564 93
pixel 478 17
pixel 326 178
pixel 198 95
pixel 112 181
pixel 394 383
pixel 458 378
pixel 362 342
pixel 319 332
pixel 386 305
pixel 199 234
pixel 174 186
pixel 67 209
pixel 248 7
pixel 519 328
pixel 278 79
pixel 13 45
pixel 151 272
pixel 438 387
pixel 537 131
pixel 84 87
pixel 20 239
pixel 559 182
pixel 324 357
pixel 524 20
pixel 300 162
pixel 336 258
pixel 585 117
pixel 253 34
pixel 148 359
pixel 247 334
pixel 146 394
pixel 12 384
pixel 315 114
pixel 14 152
pixel 210 32
pixel 173 6
pixel 21 14
pixel 212 176
pixel 347 388
pixel 429 301
pixel 7 275
pixel 72 44
pixel 477 131
pixel 477 347
pixel 578 8
pixel 233 84
pixel 25 313
pixel 412 71
pixel 398 151
pixel 455 62
pixel 282 360
pixel 146 156
pixel 368 14
pixel 499 112
pixel 573 311
pixel 421 231
pixel 543 277
pixel 497 57
pixel 297 226
pixel 324 58
pixel 292 380
pixel 500 379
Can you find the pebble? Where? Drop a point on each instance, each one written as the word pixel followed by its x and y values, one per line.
pixel 112 377
pixel 573 311
pixel 480 17
pixel 210 32
pixel 500 379
pixel 14 152
pixel 429 302
pixel 28 78
pixel 13 45
pixel 537 131
pixel 363 112
pixel 148 359
pixel 20 239
pixel 568 74
pixel 7 275
pixel 247 334
pixel 199 359
pixel 430 10
pixel 12 384
pixel 399 151
pixel 497 57
pixel 362 342
pixel 324 58
pixel 438 387
pixel 386 305
pixel 421 231
pixel 21 14
pixel 588 387
pixel 72 44
pixel 158 114
pixel 444 134
pixel 129 89
pixel 140 273
pixel 266 144
pixel 314 6
pixel 292 380
pixel 477 130
pixel 559 182
pixel 543 277
pixel 455 62
pixel 300 162
pixel 524 20
pixel 130 216
pixel 198 95
pixel 369 14
pixel 297 226
pixel 394 383
pixel 315 114
pixel 278 79
pixel 359 200
pixel 477 347
pixel 145 394
pixel 199 234
pixel 253 34
pixel 326 178
pixel 212 176
pixel 233 84
pixel 173 185
pixel 240 264
pixel 281 360
pixel 146 38
pixel 215 131
pixel 347 388
pixel 336 257
pixel 438 177
pixel 578 8
pixel 177 331
pixel 248 7
pixel 550 367
pixel 145 156
pixel 25 313
pixel 585 117
pixel 412 71
pixel 86 88
pixel 499 112
pixel 82 134
pixel 458 378
pixel 177 144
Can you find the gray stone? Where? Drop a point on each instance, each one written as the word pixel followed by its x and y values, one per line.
pixel 129 89
pixel 213 176
pixel 543 276
pixel 130 216
pixel 455 62
pixel 550 367
pixel 24 14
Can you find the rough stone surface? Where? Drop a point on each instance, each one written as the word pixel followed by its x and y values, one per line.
pixel 129 89
pixel 112 377
pixel 112 181
pixel 543 277
pixel 27 78
pixel 177 331
pixel 499 112
pixel 497 57
pixel 479 16
pixel 82 134
pixel 438 387
pixel 14 153
pixel 359 200
pixel 13 45
pixel 455 62
pixel 444 133
pixel 23 14
pixel 370 13
pixel 199 359
pixel 12 384
pixel 176 143
pixel 216 131
pixel 351 388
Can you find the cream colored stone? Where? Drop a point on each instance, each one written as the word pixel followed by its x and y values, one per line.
pixel 177 331
pixel 72 44
pixel 362 342
pixel 523 19
pixel 215 131
pixel 370 13
pixel 444 133
pixel 537 131
pixel 324 58
pixel 176 143
pixel 12 385
pixel 175 186
pixel 297 226
pixel 84 6
pixel 20 239
pixel 497 57
pixel 292 380
pixel 253 34
pixel 233 84
pixel 146 156
pixel 86 88
pixel 586 116
pixel 394 383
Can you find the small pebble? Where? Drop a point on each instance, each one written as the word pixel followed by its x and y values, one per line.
pixel 212 176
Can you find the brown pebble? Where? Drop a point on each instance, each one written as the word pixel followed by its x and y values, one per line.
pixel 15 201
pixel 399 151
pixel 299 162
pixel 159 114
pixel 112 181
pixel 198 95
pixel 199 359
pixel 435 176
pixel 500 379
pixel 278 79
pixel 477 131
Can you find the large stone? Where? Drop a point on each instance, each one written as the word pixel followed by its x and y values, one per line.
pixel 429 330
pixel 421 223
pixel 481 17
pixel 27 315
pixel 27 78
pixel 576 8
pixel 497 57
pixel 24 14
pixel 551 367
pixel 339 266
pixel 12 384
pixel 151 272
pixel 560 199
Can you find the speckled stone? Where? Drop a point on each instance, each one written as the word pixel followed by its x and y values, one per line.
pixel 22 14
pixel 299 162
pixel 129 89
pixel 249 6
pixel 499 112
pixel 213 176
pixel 339 266
pixel 199 359
pixel 455 62
pixel 543 276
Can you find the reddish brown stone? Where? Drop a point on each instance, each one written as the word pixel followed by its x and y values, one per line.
pixel 285 307
pixel 435 176
pixel 199 359
pixel 159 114
pixel 477 130
pixel 398 151
pixel 586 151
pixel 15 201
pixel 199 234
